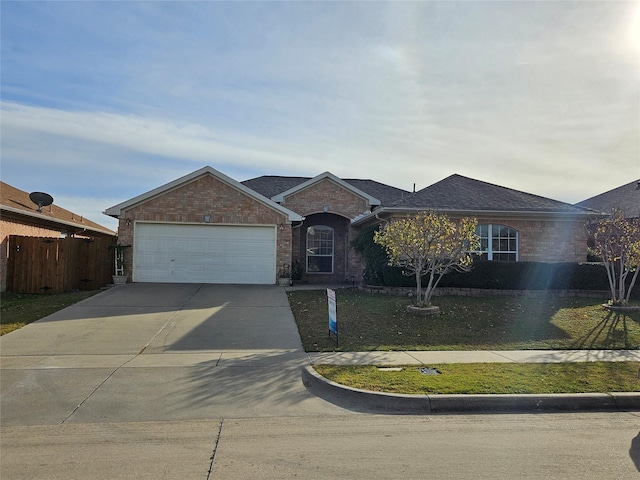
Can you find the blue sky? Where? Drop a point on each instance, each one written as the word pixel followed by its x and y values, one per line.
pixel 102 101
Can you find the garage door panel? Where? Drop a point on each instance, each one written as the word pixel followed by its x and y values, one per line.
pixel 204 253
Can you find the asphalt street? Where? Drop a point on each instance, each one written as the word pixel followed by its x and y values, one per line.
pixel 592 446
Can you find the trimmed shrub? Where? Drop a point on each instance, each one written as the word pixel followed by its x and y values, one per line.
pixel 486 274
pixel 515 276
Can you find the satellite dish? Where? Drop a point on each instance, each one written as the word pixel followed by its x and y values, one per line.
pixel 41 199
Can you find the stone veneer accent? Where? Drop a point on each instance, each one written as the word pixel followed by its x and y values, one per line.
pixel 487 292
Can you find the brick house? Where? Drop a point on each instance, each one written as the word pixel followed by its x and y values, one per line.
pixel 20 216
pixel 204 227
pixel 513 225
pixel 328 205
pixel 207 227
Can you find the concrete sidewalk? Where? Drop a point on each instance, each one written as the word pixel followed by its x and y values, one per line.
pixel 478 356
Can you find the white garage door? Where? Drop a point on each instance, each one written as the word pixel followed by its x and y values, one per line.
pixel 204 253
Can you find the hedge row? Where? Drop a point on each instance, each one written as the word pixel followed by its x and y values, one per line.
pixel 488 275
pixel 514 276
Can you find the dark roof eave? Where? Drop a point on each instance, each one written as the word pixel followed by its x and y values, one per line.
pixel 502 213
pixel 56 222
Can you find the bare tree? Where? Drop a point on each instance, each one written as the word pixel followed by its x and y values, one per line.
pixel 617 242
pixel 429 244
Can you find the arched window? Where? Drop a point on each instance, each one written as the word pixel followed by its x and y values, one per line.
pixel 319 249
pixel 498 242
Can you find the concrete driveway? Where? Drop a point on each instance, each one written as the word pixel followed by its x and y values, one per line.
pixel 158 352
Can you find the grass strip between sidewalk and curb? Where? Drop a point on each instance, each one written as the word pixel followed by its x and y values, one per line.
pixel 494 378
pixel 20 309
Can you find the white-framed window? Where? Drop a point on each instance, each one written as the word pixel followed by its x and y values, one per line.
pixel 319 249
pixel 498 242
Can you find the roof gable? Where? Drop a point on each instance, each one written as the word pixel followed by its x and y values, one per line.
pixel 17 201
pixel 116 210
pixel 272 185
pixel 326 175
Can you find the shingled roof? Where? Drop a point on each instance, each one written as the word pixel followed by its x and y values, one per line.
pixel 15 202
pixel 458 193
pixel 271 185
pixel 625 198
pixel 385 193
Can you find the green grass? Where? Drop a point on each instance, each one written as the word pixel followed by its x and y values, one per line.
pixel 19 309
pixel 369 322
pixel 493 378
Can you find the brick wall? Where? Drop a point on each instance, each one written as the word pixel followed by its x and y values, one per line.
pixel 9 227
pixel 206 195
pixel 555 242
pixel 343 235
pixel 342 205
pixel 356 263
pixel 547 240
pixel 341 240
pixel 538 241
pixel 326 192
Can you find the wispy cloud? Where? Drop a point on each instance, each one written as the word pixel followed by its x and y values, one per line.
pixel 192 142
pixel 115 99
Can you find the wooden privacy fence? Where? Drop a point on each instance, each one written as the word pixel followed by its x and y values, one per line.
pixel 56 265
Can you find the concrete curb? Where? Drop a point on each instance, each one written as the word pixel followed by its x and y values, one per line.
pixel 368 401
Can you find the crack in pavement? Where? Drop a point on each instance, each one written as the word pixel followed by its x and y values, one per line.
pixel 180 308
pixel 91 393
pixel 215 449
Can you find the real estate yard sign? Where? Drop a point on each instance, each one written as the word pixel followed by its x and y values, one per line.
pixel 333 316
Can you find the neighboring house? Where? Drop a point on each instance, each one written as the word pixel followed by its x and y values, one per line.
pixel 625 198
pixel 20 216
pixel 207 227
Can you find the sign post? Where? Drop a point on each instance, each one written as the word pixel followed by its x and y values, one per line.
pixel 333 316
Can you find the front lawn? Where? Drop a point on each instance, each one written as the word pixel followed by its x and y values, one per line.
pixel 379 322
pixel 491 378
pixel 19 309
